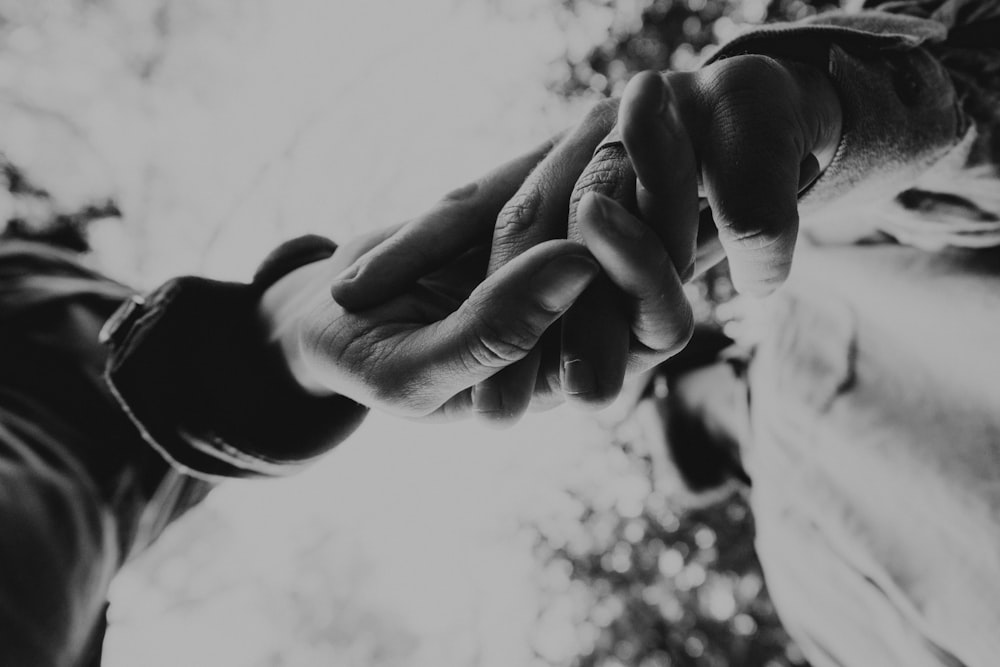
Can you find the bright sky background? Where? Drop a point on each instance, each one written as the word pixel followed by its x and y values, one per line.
pixel 257 121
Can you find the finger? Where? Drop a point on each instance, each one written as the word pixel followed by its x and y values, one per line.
pixel 755 208
pixel 503 398
pixel 708 251
pixel 666 170
pixel 547 395
pixel 538 371
pixel 538 213
pixel 636 262
pixel 595 346
pixel 763 124
pixel 456 408
pixel 464 218
pixel 595 331
pixel 500 323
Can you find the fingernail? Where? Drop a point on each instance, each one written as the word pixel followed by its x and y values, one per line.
pixel 486 398
pixel 616 219
pixel 578 377
pixel 348 274
pixel 563 279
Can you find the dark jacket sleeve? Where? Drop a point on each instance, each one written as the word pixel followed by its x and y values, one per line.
pixel 919 84
pixel 190 365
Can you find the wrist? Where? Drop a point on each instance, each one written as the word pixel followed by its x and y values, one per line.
pixel 283 309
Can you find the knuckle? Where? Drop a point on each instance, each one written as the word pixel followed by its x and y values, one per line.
pixel 749 72
pixel 756 240
pixel 495 346
pixel 751 84
pixel 609 173
pixel 603 114
pixel 521 211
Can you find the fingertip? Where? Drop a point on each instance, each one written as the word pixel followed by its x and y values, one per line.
pixel 365 283
pixel 593 402
pixel 760 260
pixel 346 292
pixel 595 346
pixel 499 421
pixel 648 106
pixel 342 293
pixel 602 215
pixel 647 94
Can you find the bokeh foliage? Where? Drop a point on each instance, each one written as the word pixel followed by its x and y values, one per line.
pixel 660 35
pixel 653 584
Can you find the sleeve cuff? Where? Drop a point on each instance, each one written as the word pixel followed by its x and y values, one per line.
pixel 193 371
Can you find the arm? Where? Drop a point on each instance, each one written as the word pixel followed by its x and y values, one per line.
pixel 258 379
pixel 192 367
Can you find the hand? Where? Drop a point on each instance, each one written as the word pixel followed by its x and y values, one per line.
pixel 734 117
pixel 754 132
pixel 542 181
pixel 418 353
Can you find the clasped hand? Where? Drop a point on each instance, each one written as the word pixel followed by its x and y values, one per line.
pixel 597 230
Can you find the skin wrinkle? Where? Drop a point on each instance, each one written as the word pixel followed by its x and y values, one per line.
pixel 720 158
pixel 529 203
pixel 545 195
pixel 732 148
pixel 604 185
pixel 518 214
pixel 503 344
pixel 487 351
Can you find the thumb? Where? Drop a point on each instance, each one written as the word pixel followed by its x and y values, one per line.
pixel 503 319
pixel 764 118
